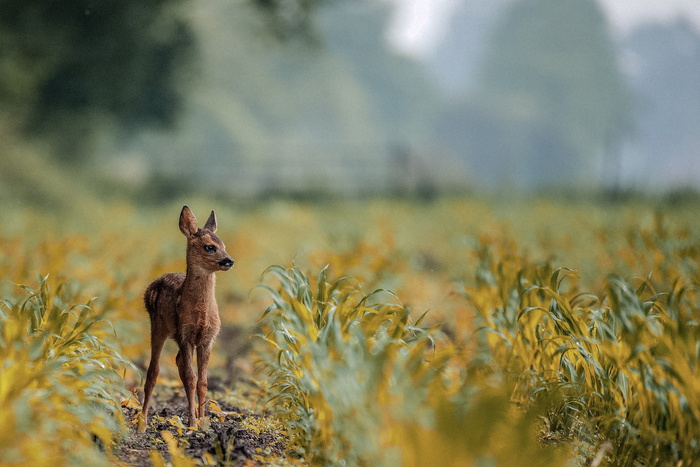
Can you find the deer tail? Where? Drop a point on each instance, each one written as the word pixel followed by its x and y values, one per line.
pixel 150 296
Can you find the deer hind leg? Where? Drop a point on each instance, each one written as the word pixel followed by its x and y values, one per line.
pixel 184 366
pixel 203 353
pixel 157 341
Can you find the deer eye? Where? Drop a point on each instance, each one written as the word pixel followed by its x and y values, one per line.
pixel 209 248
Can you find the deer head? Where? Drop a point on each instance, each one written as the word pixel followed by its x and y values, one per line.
pixel 205 250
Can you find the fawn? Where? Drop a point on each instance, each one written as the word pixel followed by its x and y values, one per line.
pixel 183 307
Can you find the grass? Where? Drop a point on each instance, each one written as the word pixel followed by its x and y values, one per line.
pixel 556 330
pixel 338 357
pixel 61 383
pixel 622 367
pixel 360 383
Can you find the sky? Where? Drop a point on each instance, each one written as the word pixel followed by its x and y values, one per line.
pixel 418 24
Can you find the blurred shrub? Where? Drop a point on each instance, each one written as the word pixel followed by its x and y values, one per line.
pixel 72 69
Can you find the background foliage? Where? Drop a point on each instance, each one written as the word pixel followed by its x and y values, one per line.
pixel 71 68
pixel 262 98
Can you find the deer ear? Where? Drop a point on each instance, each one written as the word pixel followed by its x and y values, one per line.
pixel 211 222
pixel 188 222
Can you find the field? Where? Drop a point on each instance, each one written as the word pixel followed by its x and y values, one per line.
pixel 384 332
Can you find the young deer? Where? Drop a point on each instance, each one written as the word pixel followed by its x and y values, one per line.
pixel 183 307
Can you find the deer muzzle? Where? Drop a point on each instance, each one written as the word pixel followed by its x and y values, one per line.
pixel 226 264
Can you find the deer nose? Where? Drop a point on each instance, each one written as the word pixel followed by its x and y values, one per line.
pixel 226 263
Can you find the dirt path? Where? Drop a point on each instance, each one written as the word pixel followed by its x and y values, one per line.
pixel 230 436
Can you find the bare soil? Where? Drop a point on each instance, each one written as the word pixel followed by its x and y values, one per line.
pixel 229 437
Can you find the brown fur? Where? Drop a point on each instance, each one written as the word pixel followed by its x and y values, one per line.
pixel 183 307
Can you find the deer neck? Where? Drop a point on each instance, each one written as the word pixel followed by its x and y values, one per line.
pixel 199 286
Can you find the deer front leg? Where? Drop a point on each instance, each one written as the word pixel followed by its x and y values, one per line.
pixel 184 366
pixel 203 353
pixel 157 342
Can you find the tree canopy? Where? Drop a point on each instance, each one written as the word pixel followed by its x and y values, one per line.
pixel 67 68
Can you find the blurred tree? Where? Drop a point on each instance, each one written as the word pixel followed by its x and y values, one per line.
pixel 551 99
pixel 71 68
pixel 664 63
pixel 401 94
pixel 287 116
pixel 290 18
